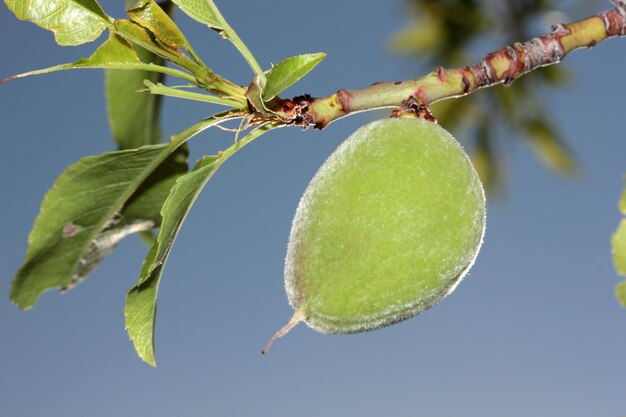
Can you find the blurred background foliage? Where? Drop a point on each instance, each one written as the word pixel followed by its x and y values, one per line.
pixel 454 33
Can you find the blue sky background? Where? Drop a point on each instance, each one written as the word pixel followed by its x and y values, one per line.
pixel 534 330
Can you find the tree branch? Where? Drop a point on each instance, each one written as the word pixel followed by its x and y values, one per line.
pixel 500 67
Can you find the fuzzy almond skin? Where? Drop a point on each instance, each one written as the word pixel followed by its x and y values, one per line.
pixel 387 228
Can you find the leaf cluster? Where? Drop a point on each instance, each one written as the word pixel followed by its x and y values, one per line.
pixel 146 184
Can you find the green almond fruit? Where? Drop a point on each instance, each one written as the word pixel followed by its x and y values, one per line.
pixel 387 228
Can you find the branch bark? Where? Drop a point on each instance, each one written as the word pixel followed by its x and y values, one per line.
pixel 500 67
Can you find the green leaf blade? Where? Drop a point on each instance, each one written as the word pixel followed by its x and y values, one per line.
pixel 82 217
pixel 160 89
pixel 115 53
pixel 179 202
pixel 151 16
pixel 73 22
pixel 289 71
pixel 140 310
pixel 141 301
pixel 134 116
pixel 204 11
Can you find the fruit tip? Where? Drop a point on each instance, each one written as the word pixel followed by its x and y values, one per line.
pixel 297 317
pixel 6 80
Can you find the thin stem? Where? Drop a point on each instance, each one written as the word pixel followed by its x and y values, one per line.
pixel 182 137
pixel 297 317
pixel 245 52
pixel 135 66
pixel 229 33
pixel 224 155
pixel 190 95
pixel 195 56
pixel 158 68
pixel 204 77
pixel 500 67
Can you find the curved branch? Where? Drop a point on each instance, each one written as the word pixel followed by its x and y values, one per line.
pixel 502 66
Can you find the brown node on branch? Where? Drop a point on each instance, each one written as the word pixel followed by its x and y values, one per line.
pixel 293 112
pixel 413 106
pixel 614 19
pixel 441 74
pixel 301 111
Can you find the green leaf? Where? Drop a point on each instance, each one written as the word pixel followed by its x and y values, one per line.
pixel 133 115
pixel 254 94
pixel 620 292
pixel 82 217
pixel 143 207
pixel 148 14
pixel 73 22
pixel 146 202
pixel 181 92
pixel 287 72
pixel 115 53
pixel 204 11
pixel 141 306
pixel 550 149
pixel 138 35
pixel 140 311
pixel 178 203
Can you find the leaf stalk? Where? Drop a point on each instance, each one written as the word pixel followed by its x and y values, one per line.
pixel 229 33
